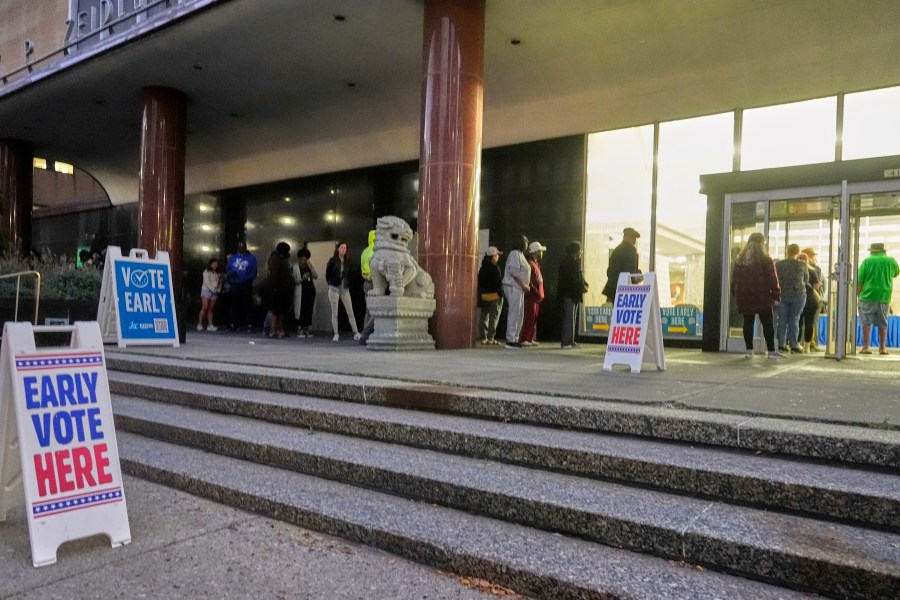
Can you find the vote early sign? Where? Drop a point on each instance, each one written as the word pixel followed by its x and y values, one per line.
pixel 66 439
pixel 136 303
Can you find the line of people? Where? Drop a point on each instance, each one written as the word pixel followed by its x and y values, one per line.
pixel 521 285
pixel 287 290
pixel 794 286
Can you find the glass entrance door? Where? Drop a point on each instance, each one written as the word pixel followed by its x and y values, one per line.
pixel 839 222
pixel 800 216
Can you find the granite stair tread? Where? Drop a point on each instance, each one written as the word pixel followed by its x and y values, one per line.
pixel 449 539
pixel 833 442
pixel 868 496
pixel 790 549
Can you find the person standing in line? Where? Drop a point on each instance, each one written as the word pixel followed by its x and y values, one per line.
pixel 337 274
pixel 490 295
pixel 874 287
pixel 570 289
pixel 811 308
pixel 755 289
pixel 280 283
pixel 534 296
pixel 304 292
pixel 811 253
pixel 793 276
pixel 623 259
pixel 364 259
pixel 516 277
pixel 240 272
pixel 209 293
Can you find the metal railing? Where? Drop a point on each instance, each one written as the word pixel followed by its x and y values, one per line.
pixel 37 290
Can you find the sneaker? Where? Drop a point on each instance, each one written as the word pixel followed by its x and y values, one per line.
pixel 484 342
pixel 212 328
pixel 797 350
pixel 748 354
pixel 308 334
pixel 776 355
pixel 514 345
pixel 357 336
pixel 199 327
pixel 526 344
pixel 336 338
pixel 784 349
pixel 567 346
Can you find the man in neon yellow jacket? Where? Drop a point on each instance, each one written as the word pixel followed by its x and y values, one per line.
pixel 364 258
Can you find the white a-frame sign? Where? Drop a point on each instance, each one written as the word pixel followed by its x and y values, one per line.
pixel 58 451
pixel 136 303
pixel 635 327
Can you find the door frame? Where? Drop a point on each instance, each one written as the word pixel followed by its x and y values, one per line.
pixel 841 272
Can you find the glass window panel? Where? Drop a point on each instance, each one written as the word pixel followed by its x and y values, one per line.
pixel 789 134
pixel 687 149
pixel 872 123
pixel 619 180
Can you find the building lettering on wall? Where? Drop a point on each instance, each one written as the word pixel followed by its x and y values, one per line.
pixel 88 17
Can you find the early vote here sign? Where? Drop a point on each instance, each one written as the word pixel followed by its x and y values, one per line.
pixel 144 300
pixel 67 443
pixel 628 319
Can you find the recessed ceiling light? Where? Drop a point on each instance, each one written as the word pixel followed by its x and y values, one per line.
pixel 351 84
pixel 198 67
pixel 515 41
pixel 340 17
pixel 235 115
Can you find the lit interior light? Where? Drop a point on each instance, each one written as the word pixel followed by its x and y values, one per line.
pixel 249 225
pixel 205 227
pixel 287 220
pixel 40 163
pixel 329 216
pixel 204 248
pixel 66 168
pixel 204 207
pixel 287 199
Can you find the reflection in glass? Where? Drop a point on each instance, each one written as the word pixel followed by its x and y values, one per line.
pixel 619 181
pixel 687 149
pixel 872 123
pixel 789 134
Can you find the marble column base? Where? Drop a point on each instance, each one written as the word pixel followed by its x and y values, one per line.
pixel 401 323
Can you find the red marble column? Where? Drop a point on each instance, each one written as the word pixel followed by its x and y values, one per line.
pixel 16 194
pixel 161 199
pixel 450 162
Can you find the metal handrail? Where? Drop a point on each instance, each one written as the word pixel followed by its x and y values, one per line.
pixel 37 290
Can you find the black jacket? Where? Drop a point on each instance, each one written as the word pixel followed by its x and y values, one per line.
pixel 570 282
pixel 624 259
pixel 489 277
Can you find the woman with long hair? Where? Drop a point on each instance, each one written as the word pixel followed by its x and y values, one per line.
pixel 209 293
pixel 280 293
pixel 755 289
pixel 304 292
pixel 337 275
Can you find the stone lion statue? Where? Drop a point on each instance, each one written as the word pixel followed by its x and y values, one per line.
pixel 392 266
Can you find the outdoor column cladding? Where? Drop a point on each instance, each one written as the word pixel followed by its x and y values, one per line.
pixel 162 176
pixel 450 157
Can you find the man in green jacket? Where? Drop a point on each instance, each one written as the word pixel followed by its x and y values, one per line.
pixel 874 286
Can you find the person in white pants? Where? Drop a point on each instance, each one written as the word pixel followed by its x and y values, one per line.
pixel 516 276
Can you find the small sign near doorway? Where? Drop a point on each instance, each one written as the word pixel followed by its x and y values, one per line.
pixel 889 173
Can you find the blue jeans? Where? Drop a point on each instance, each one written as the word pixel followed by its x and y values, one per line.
pixel 789 321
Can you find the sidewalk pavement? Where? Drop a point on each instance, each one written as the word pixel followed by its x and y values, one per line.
pixel 862 391
pixel 184 546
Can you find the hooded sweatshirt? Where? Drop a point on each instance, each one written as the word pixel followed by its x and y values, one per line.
pixel 366 256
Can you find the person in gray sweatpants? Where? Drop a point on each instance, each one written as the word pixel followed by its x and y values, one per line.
pixel 516 276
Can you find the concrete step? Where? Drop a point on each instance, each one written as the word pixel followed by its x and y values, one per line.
pixel 864 496
pixel 832 442
pixel 799 552
pixel 534 562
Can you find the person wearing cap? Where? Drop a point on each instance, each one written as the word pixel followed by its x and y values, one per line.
pixel 811 253
pixel 534 296
pixel 516 277
pixel 490 295
pixel 874 287
pixel 570 289
pixel 624 259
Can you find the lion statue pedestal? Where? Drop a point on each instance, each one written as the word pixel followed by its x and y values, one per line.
pixel 401 323
pixel 401 318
